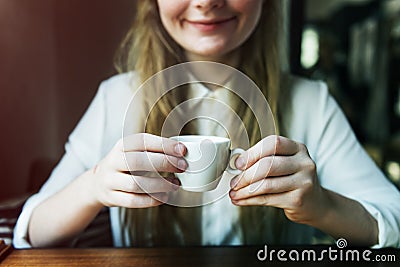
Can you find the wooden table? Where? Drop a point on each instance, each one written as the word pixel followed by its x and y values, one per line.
pixel 188 256
pixel 133 257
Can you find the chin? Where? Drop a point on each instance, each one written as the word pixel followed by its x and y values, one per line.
pixel 210 54
pixel 208 48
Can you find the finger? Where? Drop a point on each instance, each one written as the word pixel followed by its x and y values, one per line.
pixel 269 146
pixel 273 166
pixel 281 200
pixel 142 184
pixel 149 161
pixel 131 200
pixel 152 143
pixel 265 186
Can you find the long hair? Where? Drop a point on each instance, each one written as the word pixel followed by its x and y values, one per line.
pixel 148 49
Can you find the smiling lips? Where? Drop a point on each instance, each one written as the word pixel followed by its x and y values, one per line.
pixel 210 25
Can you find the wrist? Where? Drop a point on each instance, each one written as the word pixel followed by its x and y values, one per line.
pixel 346 218
pixel 326 209
pixel 86 192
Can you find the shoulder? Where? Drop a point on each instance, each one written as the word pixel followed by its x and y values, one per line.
pixel 306 108
pixel 120 84
pixel 303 91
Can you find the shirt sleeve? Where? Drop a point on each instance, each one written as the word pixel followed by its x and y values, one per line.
pixel 344 167
pixel 82 151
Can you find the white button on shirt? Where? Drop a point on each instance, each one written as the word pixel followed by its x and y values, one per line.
pixel 313 118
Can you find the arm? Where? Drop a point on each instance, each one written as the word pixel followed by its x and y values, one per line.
pixel 284 176
pixel 65 214
pixel 342 166
pixel 347 218
pixel 71 188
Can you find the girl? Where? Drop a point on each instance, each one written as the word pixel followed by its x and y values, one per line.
pixel 321 178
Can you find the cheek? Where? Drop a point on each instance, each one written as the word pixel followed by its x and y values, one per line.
pixel 246 6
pixel 251 9
pixel 171 10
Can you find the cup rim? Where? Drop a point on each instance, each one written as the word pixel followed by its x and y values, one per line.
pixel 193 138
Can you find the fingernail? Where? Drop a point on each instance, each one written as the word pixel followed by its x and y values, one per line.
pixel 232 193
pixel 239 163
pixel 180 149
pixel 234 182
pixel 182 165
pixel 176 181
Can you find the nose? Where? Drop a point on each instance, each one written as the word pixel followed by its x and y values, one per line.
pixel 208 4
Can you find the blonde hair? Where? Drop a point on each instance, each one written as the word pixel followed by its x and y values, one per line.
pixel 148 49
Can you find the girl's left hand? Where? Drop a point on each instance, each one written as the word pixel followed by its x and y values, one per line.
pixel 279 172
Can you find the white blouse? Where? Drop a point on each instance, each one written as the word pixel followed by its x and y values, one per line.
pixel 313 118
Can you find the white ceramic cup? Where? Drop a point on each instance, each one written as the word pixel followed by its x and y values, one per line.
pixel 207 157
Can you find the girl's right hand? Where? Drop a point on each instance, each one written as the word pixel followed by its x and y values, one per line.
pixel 114 184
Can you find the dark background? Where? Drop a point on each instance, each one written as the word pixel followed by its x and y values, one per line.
pixel 54 54
pixel 359 58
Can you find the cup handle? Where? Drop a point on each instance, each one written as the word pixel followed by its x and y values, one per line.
pixel 231 166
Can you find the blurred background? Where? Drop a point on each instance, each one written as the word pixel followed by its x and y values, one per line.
pixel 54 54
pixel 354 45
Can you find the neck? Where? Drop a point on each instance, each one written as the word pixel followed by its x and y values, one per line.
pixel 231 59
pixel 210 74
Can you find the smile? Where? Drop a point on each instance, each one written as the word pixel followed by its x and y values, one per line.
pixel 210 25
